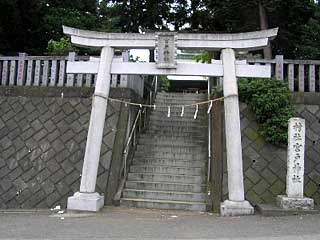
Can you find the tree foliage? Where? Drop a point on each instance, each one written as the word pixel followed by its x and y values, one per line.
pixel 20 26
pixel 29 25
pixel 308 46
pixel 61 47
pixel 290 16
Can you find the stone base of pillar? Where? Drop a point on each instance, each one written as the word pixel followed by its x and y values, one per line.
pixel 85 202
pixel 286 202
pixel 232 208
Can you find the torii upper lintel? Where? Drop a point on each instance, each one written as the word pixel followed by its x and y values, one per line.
pixel 238 41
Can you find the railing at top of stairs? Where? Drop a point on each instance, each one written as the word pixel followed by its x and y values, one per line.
pixel 139 124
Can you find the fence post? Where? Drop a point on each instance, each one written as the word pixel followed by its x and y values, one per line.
pixel 312 78
pixel 12 76
pixel 291 77
pixel 62 70
pixel 70 77
pixel 45 73
pixel 29 73
pixel 53 75
pixel 279 67
pixel 21 69
pixel 301 78
pixel 5 73
pixel 37 73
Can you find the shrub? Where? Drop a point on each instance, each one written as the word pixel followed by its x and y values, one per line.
pixel 61 47
pixel 164 83
pixel 270 100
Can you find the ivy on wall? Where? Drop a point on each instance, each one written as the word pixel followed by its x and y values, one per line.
pixel 270 100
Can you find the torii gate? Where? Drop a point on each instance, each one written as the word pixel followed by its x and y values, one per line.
pixel 167 44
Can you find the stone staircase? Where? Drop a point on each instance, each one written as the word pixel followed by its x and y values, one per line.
pixel 169 165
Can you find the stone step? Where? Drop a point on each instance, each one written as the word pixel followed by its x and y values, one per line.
pixel 170 134
pixel 165 121
pixel 164 195
pixel 166 178
pixel 176 111
pixel 163 204
pixel 172 149
pixel 184 96
pixel 158 169
pixel 185 118
pixel 171 155
pixel 176 116
pixel 199 126
pixel 165 186
pixel 176 106
pixel 163 109
pixel 155 140
pixel 168 162
pixel 177 129
pixel 168 94
pixel 182 143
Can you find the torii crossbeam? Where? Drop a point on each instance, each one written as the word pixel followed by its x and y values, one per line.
pixel 167 44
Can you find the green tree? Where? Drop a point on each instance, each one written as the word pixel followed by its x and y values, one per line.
pixel 80 14
pixel 61 47
pixel 251 15
pixel 146 15
pixel 20 26
pixel 29 25
pixel 108 17
pixel 290 16
pixel 308 47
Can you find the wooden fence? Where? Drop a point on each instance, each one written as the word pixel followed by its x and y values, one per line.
pixel 50 71
pixel 301 75
pixel 24 70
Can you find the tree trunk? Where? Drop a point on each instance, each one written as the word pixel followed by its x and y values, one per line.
pixel 267 52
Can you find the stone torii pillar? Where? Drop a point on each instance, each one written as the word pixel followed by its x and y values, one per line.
pixel 167 45
pixel 236 205
pixel 87 199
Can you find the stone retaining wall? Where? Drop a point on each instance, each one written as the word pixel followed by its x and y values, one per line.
pixel 42 144
pixel 43 137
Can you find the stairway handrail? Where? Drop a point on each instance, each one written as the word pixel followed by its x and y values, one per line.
pixel 209 135
pixel 142 114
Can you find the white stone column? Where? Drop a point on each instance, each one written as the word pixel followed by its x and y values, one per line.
pixel 87 199
pixel 235 205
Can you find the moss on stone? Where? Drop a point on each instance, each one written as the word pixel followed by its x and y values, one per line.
pixel 277 188
pixel 310 189
pixel 259 143
pixel 251 134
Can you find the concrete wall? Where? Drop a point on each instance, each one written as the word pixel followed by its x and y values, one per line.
pixel 42 144
pixel 265 164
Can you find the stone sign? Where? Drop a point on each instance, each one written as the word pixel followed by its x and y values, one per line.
pixel 166 50
pixel 295 168
pixel 296 144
